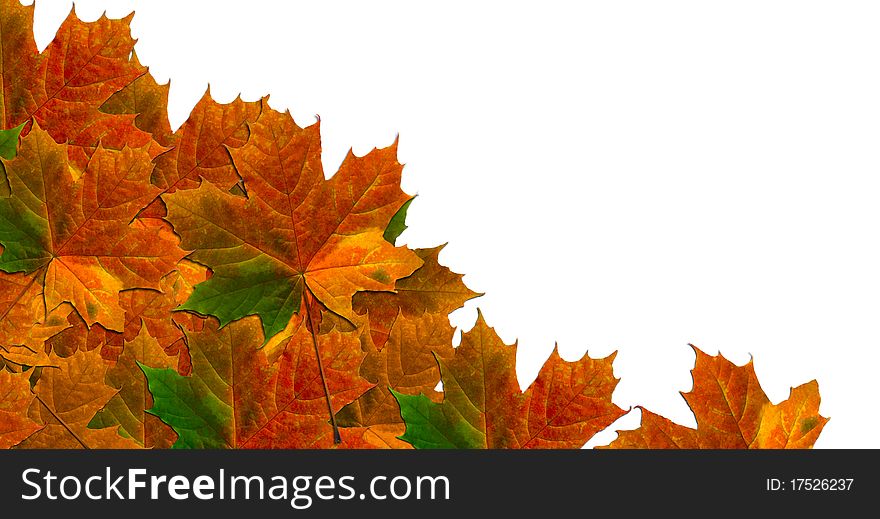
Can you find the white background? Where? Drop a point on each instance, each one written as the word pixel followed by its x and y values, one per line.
pixel 621 175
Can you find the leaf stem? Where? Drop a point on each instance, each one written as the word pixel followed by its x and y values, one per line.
pixel 337 439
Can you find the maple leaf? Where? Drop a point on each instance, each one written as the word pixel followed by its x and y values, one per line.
pixel 433 288
pixel 407 364
pixel 79 235
pixel 62 87
pixel 67 396
pixel 732 412
pixel 15 399
pixel 127 408
pixel 148 102
pixel 483 406
pixel 235 398
pixel 201 146
pixel 18 61
pixel 295 232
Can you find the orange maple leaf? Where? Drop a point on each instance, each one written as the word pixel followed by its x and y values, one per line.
pixel 62 87
pixel 295 232
pixel 67 396
pixel 732 412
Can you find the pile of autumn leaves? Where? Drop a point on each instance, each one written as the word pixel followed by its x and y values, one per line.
pixel 208 288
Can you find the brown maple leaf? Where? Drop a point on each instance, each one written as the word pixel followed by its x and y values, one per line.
pixel 732 412
pixel 148 102
pixel 483 406
pixel 200 148
pixel 433 288
pixel 67 396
